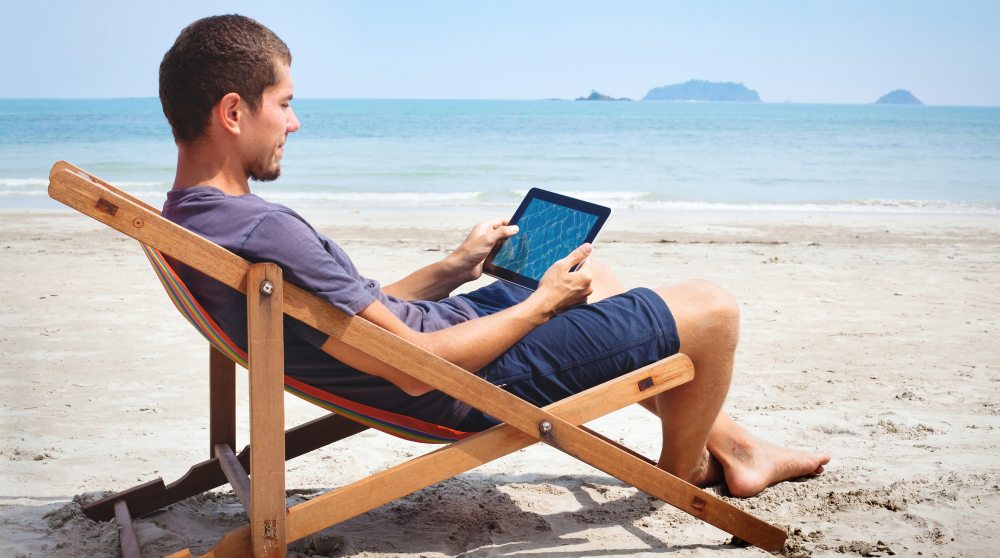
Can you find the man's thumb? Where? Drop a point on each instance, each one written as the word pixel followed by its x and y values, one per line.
pixel 576 256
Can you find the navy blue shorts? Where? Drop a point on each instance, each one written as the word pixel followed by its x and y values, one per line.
pixel 580 348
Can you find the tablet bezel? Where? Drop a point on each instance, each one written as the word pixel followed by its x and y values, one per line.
pixel 602 213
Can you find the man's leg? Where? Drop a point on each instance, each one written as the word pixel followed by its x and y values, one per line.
pixel 707 320
pixel 708 323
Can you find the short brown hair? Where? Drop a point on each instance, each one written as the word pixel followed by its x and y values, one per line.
pixel 212 57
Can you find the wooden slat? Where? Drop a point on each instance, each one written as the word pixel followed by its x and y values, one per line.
pixel 222 400
pixel 237 476
pixel 622 447
pixel 126 531
pixel 265 337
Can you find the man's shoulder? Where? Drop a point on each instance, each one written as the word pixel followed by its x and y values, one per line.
pixel 206 200
pixel 227 220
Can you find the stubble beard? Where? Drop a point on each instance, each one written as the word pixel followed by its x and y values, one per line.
pixel 260 172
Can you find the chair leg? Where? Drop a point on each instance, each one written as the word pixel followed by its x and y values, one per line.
pixel 153 495
pixel 126 532
pixel 267 412
pixel 222 401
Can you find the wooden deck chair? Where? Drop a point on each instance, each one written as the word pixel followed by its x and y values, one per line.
pixel 271 525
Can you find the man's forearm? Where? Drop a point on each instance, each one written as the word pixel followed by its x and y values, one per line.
pixel 471 345
pixel 475 343
pixel 432 282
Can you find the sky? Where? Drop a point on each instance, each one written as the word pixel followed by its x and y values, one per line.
pixel 849 51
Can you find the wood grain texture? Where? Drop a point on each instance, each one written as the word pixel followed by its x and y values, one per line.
pixel 239 479
pixel 265 337
pixel 222 400
pixel 126 531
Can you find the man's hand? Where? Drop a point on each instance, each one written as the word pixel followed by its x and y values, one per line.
pixel 560 288
pixel 467 259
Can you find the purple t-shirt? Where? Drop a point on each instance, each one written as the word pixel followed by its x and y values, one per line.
pixel 262 231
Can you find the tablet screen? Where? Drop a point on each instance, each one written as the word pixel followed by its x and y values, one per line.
pixel 550 227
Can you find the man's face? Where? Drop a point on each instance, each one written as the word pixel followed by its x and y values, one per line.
pixel 269 128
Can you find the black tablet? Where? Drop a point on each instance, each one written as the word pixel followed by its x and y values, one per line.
pixel 550 227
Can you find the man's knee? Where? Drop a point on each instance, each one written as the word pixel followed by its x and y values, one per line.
pixel 719 304
pixel 704 311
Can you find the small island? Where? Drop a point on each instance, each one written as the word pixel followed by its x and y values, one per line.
pixel 898 97
pixel 699 90
pixel 598 96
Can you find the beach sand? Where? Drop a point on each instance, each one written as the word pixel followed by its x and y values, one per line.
pixel 869 336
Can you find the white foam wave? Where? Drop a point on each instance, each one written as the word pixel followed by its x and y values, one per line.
pixel 33 188
pixel 23 182
pixel 598 196
pixel 44 183
pixel 142 184
pixel 860 206
pixel 408 198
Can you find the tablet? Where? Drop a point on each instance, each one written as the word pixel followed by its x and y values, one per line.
pixel 550 227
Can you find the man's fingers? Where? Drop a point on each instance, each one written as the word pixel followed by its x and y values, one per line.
pixel 498 222
pixel 577 256
pixel 501 232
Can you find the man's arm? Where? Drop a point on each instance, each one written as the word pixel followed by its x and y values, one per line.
pixel 475 343
pixel 465 264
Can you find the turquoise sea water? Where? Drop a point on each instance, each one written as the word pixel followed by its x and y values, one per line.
pixel 784 157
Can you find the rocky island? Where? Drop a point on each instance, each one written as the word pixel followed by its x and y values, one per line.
pixel 699 90
pixel 898 97
pixel 598 96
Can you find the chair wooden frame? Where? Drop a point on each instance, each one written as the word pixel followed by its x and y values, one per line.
pixel 272 526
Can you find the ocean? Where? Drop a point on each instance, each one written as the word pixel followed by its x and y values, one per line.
pixel 678 156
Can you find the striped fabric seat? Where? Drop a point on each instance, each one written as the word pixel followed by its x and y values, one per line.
pixel 398 425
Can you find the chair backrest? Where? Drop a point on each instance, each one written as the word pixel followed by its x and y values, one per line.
pixel 392 423
pixel 398 425
pixel 100 200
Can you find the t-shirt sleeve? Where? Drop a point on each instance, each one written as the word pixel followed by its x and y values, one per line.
pixel 305 260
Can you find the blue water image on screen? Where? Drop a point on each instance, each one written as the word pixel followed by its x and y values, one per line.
pixel 548 232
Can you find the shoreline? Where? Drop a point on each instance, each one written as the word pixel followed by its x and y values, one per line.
pixel 867 336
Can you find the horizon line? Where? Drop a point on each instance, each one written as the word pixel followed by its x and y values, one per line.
pixel 546 99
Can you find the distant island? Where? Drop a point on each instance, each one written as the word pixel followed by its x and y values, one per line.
pixel 898 97
pixel 598 96
pixel 699 90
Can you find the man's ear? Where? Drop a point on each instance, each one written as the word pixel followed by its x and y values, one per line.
pixel 229 112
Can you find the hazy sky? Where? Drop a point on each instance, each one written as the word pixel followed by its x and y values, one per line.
pixel 808 51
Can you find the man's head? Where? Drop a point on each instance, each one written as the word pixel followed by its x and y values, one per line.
pixel 210 58
pixel 230 73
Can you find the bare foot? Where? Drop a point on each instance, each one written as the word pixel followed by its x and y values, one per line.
pixel 708 471
pixel 753 465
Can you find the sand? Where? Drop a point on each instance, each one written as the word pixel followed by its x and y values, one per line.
pixel 871 336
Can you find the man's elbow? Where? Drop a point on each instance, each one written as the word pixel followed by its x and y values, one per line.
pixel 414 388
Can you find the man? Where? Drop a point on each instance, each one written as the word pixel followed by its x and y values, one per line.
pixel 226 90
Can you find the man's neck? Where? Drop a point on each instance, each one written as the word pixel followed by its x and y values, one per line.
pixel 201 165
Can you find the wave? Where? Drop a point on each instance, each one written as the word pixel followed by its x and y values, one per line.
pixel 636 200
pixel 35 188
pixel 402 198
pixel 23 182
pixel 856 206
pixel 599 196
pixel 34 183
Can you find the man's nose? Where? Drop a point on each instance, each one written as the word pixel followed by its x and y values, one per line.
pixel 293 122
